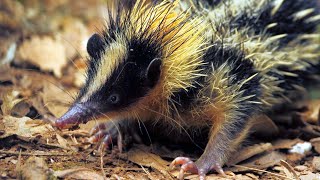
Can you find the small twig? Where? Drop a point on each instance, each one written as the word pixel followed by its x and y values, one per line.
pixel 18 166
pixel 101 165
pixel 259 170
pixel 149 175
pixel 290 168
pixel 32 154
pixel 116 176
pixel 123 169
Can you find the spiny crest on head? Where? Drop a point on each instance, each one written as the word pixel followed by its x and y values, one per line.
pixel 175 37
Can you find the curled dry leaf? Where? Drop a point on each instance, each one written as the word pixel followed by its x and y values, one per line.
pixel 46 52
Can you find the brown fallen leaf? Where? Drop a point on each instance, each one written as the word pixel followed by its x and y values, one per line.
pixel 139 155
pixel 269 159
pixel 73 34
pixel 295 157
pixel 25 127
pixel 34 168
pixel 63 142
pixel 78 173
pixel 300 168
pixel 89 125
pixel 262 161
pixel 316 163
pixel 45 52
pixel 285 143
pixel 11 14
pixel 56 99
pixel 9 101
pixel 248 152
pixel 38 104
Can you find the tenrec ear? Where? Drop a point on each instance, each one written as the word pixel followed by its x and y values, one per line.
pixel 95 46
pixel 153 71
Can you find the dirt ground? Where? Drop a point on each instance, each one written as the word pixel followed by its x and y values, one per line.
pixel 42 65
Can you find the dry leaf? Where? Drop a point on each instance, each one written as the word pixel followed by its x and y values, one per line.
pixel 73 36
pixel 250 151
pixel 79 173
pixel 263 161
pixel 316 163
pixel 45 52
pixel 145 158
pixel 310 176
pixel 300 168
pixel 87 127
pixel 285 143
pixel 10 100
pixel 25 127
pixel 11 14
pixel 295 157
pixel 63 142
pixel 35 168
pixel 57 100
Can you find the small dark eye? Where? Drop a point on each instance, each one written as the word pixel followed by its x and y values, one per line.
pixel 114 98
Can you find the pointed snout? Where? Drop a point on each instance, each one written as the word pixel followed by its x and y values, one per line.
pixel 76 115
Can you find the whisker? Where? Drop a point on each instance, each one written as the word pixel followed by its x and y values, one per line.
pixel 112 121
pixel 144 126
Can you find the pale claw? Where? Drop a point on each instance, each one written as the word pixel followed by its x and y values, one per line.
pixel 187 165
pixel 107 134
